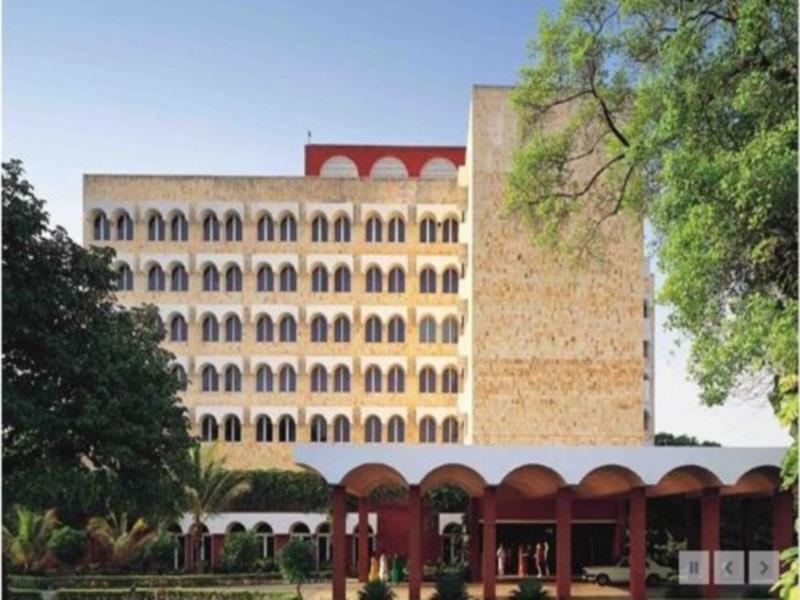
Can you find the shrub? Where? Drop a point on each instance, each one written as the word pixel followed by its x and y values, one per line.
pixel 277 490
pixel 297 563
pixel 240 552
pixel 529 589
pixel 376 590
pixel 159 553
pixel 67 545
pixel 450 586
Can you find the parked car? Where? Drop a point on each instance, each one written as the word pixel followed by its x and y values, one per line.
pixel 621 573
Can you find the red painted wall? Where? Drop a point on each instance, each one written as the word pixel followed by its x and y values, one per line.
pixel 414 157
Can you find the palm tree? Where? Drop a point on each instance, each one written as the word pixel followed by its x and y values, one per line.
pixel 122 544
pixel 25 541
pixel 210 488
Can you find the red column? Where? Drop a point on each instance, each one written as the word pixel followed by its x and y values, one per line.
pixel 339 548
pixel 188 551
pixel 415 544
pixel 489 542
pixel 709 534
pixel 217 541
pixel 363 536
pixel 563 543
pixel 474 540
pixel 782 518
pixel 637 519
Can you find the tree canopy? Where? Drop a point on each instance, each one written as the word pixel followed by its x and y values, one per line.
pixel 91 420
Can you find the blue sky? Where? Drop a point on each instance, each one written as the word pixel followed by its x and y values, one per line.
pixel 232 87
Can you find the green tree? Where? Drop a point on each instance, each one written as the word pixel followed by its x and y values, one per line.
pixel 670 439
pixel 67 545
pixel 91 420
pixel 120 543
pixel 25 538
pixel 241 551
pixel 296 562
pixel 210 488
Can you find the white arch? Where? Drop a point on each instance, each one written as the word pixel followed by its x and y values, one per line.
pixel 388 167
pixel 438 168
pixel 339 166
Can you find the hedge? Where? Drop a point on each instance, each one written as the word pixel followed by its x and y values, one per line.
pixel 277 490
pixel 173 594
pixel 29 582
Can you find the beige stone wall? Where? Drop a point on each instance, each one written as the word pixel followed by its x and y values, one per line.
pixel 141 194
pixel 557 351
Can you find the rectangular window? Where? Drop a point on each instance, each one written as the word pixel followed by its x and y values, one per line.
pixel 646 348
pixel 646 309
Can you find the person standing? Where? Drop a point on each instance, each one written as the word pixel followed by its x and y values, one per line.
pixel 501 561
pixel 396 573
pixel 546 557
pixel 537 558
pixel 521 560
pixel 373 569
pixel 383 568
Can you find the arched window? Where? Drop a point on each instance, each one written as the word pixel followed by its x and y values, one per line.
pixel 319 229
pixel 427 431
pixel 397 380
pixel 341 279
pixel 178 329
pixel 397 230
pixel 319 329
pixel 265 280
pixel 210 329
pixel 427 231
pixel 319 379
pixel 319 279
pixel 287 430
pixel 102 228
pixel 373 330
pixel 124 278
pixel 210 379
pixel 155 279
pixel 341 429
pixel 264 379
pixel 374 230
pixel 266 228
pixel 179 280
pixel 341 329
pixel 319 429
pixel 427 331
pixel 300 531
pixel 209 430
pixel 233 229
pixel 180 374
pixel 397 430
pixel 450 330
pixel 264 534
pixel 263 429
pixel 211 228
pixel 341 379
pixel 388 167
pixel 450 431
pixel 233 379
pixel 288 279
pixel 427 381
pixel 210 279
pixel 372 379
pixel 397 281
pixel 372 430
pixel 156 231
pixel 265 332
pixel 233 329
pixel 450 381
pixel 438 168
pixel 450 231
pixel 374 280
pixel 288 229
pixel 427 281
pixel 397 330
pixel 288 329
pixel 124 227
pixel 233 279
pixel 341 229
pixel 450 281
pixel 179 228
pixel 233 429
pixel 287 379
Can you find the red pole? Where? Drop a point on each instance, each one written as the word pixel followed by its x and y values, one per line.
pixel 638 533
pixel 474 540
pixel 489 542
pixel 339 544
pixel 563 543
pixel 415 544
pixel 709 534
pixel 363 536
pixel 782 509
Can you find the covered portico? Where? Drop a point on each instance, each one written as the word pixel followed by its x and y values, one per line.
pixel 562 478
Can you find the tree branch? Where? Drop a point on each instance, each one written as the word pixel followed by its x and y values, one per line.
pixel 598 173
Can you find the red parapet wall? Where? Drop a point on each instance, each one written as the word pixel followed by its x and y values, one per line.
pixel 413 157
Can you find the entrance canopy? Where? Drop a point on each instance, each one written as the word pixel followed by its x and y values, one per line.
pixel 593 471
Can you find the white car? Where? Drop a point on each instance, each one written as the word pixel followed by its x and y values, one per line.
pixel 621 573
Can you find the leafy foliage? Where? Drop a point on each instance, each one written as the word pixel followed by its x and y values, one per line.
pixel 376 590
pixel 91 418
pixel 529 589
pixel 68 545
pixel 120 543
pixel 240 552
pixel 450 586
pixel 25 539
pixel 296 562
pixel 669 439
pixel 159 553
pixel 447 498
pixel 281 490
